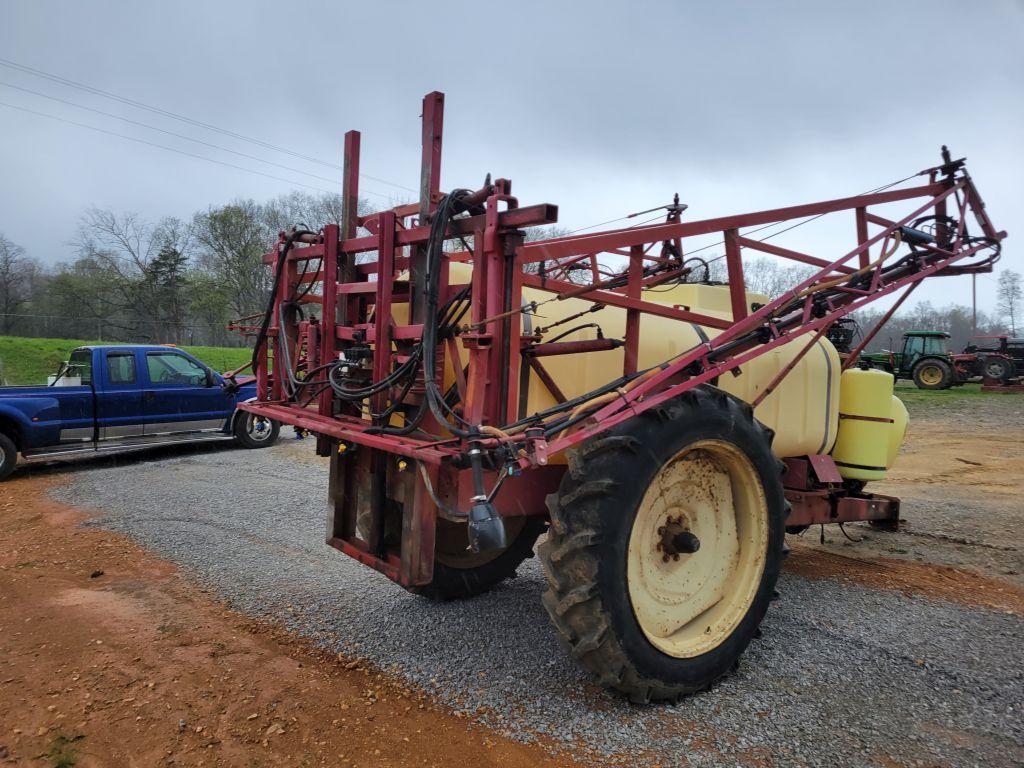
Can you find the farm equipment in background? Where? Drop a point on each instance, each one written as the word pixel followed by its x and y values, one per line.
pixel 1004 345
pixel 1005 354
pixel 926 360
pixel 474 391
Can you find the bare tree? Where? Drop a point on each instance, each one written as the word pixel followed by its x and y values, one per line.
pixel 129 272
pixel 17 275
pixel 1009 297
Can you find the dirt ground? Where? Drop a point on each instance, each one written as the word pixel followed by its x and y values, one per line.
pixel 959 477
pixel 109 657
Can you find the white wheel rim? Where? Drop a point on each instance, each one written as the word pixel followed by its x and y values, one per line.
pixel 259 428
pixel 689 603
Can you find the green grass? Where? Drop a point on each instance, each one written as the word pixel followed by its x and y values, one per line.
pixel 926 400
pixel 29 361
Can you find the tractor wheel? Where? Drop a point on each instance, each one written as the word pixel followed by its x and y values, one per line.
pixel 933 374
pixel 999 368
pixel 460 573
pixel 665 544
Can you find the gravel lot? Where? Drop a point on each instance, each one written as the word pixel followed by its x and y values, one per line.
pixel 844 674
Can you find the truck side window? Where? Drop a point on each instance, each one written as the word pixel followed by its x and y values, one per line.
pixel 80 364
pixel 172 368
pixel 121 368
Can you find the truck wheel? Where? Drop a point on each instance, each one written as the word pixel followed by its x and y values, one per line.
pixel 665 545
pixel 933 374
pixel 999 368
pixel 8 456
pixel 252 431
pixel 460 573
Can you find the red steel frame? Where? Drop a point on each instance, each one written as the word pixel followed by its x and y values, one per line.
pixel 370 264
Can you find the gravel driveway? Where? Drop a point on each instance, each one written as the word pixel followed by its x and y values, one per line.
pixel 843 675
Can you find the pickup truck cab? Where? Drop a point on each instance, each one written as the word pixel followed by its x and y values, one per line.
pixel 108 398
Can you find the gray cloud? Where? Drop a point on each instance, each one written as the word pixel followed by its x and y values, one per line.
pixel 603 108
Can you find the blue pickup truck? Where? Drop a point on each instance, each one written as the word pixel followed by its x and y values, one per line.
pixel 109 398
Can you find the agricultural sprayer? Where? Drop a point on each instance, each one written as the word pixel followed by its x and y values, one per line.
pixel 475 391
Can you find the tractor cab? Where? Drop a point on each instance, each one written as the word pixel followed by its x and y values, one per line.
pixel 918 344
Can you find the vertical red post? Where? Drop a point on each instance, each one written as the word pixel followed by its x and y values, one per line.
pixel 329 298
pixel 514 359
pixel 633 290
pixel 350 186
pixel 382 306
pixel 281 363
pixel 477 382
pixel 346 270
pixel 734 263
pixel 862 235
pixel 430 185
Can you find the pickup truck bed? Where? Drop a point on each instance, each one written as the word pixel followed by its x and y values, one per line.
pixel 130 396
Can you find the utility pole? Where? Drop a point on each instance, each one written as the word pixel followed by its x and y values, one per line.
pixel 974 304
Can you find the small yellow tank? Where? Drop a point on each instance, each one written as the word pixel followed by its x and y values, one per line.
pixel 898 431
pixel 869 435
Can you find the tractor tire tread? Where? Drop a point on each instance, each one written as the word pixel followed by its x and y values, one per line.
pixel 571 555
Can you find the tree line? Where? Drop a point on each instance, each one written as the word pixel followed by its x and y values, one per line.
pixel 169 281
pixel 181 281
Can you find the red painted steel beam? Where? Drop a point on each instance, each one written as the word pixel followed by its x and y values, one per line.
pixel 382 308
pixel 560 248
pixel 340 429
pixel 516 218
pixel 816 508
pixel 350 186
pixel 329 295
pixel 737 285
pixel 775 250
pixel 633 288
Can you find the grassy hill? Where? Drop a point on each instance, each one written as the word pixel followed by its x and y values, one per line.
pixel 29 361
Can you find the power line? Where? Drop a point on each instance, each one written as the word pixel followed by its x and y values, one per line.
pixel 183 136
pixel 162 146
pixel 183 118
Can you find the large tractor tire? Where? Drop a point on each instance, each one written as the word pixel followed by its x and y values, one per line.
pixel 665 545
pixel 933 373
pixel 999 368
pixel 460 573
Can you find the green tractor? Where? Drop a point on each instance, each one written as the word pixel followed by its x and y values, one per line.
pixel 925 359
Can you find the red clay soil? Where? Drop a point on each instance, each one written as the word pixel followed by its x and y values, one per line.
pixel 109 658
pixel 913 578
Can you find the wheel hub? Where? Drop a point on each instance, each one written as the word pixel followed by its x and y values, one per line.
pixel 676 539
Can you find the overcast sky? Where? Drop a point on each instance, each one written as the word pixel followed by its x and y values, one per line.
pixel 602 108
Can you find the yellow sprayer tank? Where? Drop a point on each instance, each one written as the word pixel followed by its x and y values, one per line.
pixel 869 434
pixel 803 411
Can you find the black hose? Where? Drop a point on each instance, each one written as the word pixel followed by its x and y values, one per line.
pixel 282 259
